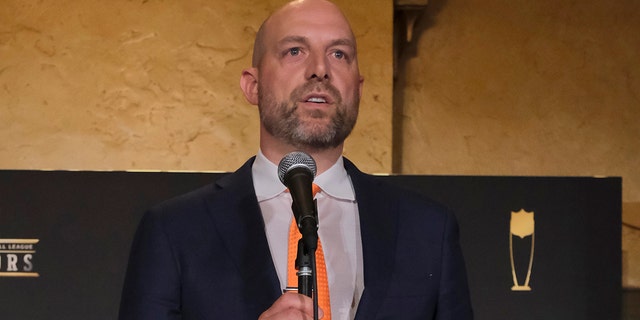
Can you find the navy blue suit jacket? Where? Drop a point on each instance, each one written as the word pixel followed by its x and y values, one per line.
pixel 205 255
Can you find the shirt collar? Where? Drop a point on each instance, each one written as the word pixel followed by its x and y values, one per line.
pixel 265 178
pixel 334 182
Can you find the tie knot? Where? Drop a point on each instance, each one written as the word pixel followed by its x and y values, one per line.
pixel 314 189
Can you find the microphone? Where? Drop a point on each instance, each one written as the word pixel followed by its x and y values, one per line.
pixel 297 171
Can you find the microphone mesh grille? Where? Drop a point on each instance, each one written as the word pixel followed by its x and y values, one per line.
pixel 293 160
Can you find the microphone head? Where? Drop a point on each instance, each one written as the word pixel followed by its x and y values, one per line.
pixel 296 159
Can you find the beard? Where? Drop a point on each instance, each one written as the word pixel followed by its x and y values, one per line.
pixel 323 129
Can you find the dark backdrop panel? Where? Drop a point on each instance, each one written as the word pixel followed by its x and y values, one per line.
pixel 85 223
pixel 576 272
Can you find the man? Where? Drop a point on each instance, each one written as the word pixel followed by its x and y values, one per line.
pixel 220 252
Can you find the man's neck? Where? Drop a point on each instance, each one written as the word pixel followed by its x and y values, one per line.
pixel 324 158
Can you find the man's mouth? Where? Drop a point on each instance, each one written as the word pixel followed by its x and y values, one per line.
pixel 317 100
pixel 317 97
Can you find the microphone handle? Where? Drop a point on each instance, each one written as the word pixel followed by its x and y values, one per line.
pixel 305 272
pixel 305 282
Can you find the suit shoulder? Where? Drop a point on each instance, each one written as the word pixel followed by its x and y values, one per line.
pixel 393 187
pixel 180 212
pixel 185 200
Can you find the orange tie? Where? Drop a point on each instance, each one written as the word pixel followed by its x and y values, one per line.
pixel 321 268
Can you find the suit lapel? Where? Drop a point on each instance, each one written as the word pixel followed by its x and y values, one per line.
pixel 378 232
pixel 236 214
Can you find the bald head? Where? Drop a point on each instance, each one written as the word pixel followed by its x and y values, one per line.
pixel 300 9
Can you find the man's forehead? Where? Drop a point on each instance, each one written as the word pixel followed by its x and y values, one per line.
pixel 309 13
pixel 308 6
pixel 309 25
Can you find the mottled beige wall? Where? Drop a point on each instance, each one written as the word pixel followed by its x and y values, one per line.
pixel 154 85
pixel 546 87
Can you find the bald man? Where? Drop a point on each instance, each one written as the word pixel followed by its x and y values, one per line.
pixel 220 252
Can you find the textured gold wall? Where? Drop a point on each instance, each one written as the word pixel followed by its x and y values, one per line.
pixel 543 87
pixel 154 85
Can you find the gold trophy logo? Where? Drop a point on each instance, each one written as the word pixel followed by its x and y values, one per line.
pixel 522 226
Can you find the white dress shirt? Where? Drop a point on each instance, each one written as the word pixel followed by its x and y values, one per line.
pixel 339 230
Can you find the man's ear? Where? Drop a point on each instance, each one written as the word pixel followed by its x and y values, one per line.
pixel 249 84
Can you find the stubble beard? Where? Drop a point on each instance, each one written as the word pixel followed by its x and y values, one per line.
pixel 284 121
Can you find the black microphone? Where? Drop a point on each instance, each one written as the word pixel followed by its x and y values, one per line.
pixel 297 171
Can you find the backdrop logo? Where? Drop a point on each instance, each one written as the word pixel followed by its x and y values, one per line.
pixel 16 257
pixel 521 250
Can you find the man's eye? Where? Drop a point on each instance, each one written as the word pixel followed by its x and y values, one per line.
pixel 339 54
pixel 294 51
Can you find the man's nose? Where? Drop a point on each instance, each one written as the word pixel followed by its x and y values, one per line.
pixel 318 68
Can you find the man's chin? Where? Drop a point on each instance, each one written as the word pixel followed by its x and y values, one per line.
pixel 315 130
pixel 315 139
